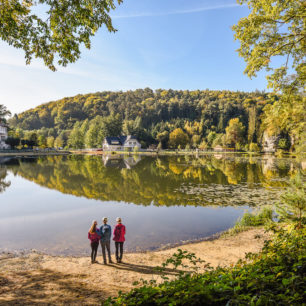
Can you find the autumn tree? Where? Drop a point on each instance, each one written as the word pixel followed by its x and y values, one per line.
pixel 195 140
pixel 234 132
pixel 274 28
pixel 287 115
pixel 59 142
pixel 178 138
pixel 57 33
pixel 50 141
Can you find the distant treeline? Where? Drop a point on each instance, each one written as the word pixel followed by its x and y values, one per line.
pixel 167 118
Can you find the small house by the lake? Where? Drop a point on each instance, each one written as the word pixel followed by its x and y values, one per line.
pixel 121 143
pixel 3 136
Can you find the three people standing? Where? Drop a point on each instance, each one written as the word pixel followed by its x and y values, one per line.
pixel 104 235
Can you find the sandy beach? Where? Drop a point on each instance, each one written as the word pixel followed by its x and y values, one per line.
pixel 39 279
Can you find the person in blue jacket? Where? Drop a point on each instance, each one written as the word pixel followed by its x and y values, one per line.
pixel 105 233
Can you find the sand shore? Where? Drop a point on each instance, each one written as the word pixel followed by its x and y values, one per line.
pixel 38 279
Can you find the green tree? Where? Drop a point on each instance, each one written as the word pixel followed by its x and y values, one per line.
pixel 178 138
pixel 4 112
pixel 195 140
pixel 42 141
pixel 234 132
pixel 59 142
pixel 287 115
pixel 203 145
pixel 60 30
pixel 112 125
pixel 274 28
pixel 292 206
pixel 219 140
pixel 283 144
pixel 95 134
pixel 77 136
pixel 12 142
pixel 32 137
pixel 162 138
pixel 211 137
pixel 254 147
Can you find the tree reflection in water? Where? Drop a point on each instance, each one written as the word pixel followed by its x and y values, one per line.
pixel 3 173
pixel 162 181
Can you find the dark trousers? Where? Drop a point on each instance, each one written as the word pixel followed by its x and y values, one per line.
pixel 119 245
pixel 106 244
pixel 94 249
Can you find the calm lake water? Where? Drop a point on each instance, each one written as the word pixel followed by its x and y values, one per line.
pixel 48 203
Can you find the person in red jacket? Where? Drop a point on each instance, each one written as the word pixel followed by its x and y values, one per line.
pixel 94 238
pixel 119 232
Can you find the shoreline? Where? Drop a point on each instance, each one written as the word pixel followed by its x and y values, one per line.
pixel 181 153
pixel 43 279
pixel 148 153
pixel 21 154
pixel 162 247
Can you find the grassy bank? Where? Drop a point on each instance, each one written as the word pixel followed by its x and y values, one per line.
pixel 262 217
pixel 274 276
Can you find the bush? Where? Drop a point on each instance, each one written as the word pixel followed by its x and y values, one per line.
pixel 275 276
pixel 12 142
pixel 203 145
pixel 283 144
pixel 239 146
pixel 254 147
pixel 257 218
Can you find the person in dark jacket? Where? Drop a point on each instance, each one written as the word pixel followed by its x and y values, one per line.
pixel 94 238
pixel 105 234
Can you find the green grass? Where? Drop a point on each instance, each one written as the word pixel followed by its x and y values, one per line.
pixel 251 219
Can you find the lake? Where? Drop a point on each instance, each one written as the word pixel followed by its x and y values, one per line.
pixel 48 203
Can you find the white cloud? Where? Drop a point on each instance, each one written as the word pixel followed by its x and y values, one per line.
pixel 178 12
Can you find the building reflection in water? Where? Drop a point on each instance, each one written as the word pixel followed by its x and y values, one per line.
pixel 119 161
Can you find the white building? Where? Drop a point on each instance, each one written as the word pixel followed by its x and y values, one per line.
pixel 117 161
pixel 121 143
pixel 3 136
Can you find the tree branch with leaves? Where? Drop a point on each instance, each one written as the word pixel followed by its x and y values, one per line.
pixel 274 28
pixel 56 33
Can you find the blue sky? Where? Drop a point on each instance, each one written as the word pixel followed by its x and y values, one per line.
pixel 175 44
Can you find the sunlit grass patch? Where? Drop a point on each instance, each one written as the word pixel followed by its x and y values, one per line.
pixel 251 219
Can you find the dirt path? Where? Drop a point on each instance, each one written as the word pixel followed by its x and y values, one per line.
pixel 37 279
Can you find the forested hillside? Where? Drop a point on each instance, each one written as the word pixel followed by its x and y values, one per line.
pixel 169 118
